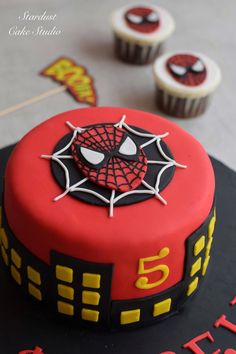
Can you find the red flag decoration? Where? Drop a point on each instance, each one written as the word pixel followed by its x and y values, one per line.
pixel 75 78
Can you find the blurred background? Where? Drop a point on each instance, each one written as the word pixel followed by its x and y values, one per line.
pixel 207 26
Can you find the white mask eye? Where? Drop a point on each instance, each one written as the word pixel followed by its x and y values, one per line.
pixel 134 19
pixel 198 67
pixel 128 147
pixel 93 157
pixel 178 70
pixel 153 17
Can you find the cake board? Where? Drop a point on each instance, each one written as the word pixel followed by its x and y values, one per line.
pixel 25 326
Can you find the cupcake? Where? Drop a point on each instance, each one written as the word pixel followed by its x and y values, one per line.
pixel 140 31
pixel 185 81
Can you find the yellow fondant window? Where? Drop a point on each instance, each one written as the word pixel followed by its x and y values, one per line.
pixel 33 275
pixel 90 315
pixel 192 286
pixel 65 291
pixel 130 316
pixel 4 255
pixel 211 226
pixel 196 266
pixel 16 275
pixel 16 259
pixel 90 297
pixel 208 247
pixel 35 292
pixel 205 265
pixel 91 280
pixel 64 273
pixel 162 307
pixel 65 308
pixel 199 245
pixel 4 238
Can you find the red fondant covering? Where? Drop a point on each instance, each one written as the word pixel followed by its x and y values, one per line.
pixel 85 231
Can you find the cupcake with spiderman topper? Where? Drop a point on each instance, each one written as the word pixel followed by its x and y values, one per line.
pixel 140 31
pixel 185 81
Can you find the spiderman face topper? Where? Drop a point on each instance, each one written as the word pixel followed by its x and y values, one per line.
pixel 111 164
pixel 142 19
pixel 109 157
pixel 187 69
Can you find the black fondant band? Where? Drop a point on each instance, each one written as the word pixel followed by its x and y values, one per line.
pixel 109 312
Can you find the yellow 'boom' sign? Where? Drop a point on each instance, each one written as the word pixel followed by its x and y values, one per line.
pixel 75 78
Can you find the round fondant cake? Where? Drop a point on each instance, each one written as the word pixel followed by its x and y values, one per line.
pixel 108 216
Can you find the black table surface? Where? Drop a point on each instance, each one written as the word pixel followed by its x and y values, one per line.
pixel 25 325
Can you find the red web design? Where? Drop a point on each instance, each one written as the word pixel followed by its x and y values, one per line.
pixel 118 173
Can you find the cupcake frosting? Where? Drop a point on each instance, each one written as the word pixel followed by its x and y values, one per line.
pixel 186 74
pixel 145 24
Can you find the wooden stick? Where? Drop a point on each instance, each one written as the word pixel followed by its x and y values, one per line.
pixel 33 100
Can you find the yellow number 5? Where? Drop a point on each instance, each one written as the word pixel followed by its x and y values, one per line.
pixel 143 282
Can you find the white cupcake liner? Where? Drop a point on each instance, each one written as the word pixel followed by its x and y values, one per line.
pixel 181 107
pixel 135 53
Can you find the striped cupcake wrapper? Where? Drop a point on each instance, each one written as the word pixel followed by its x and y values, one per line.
pixel 135 53
pixel 181 107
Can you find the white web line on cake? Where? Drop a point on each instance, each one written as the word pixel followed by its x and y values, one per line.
pixel 77 187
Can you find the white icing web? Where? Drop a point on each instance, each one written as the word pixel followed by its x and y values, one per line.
pixel 148 189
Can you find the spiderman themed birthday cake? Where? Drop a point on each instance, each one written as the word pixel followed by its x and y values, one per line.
pixel 108 216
